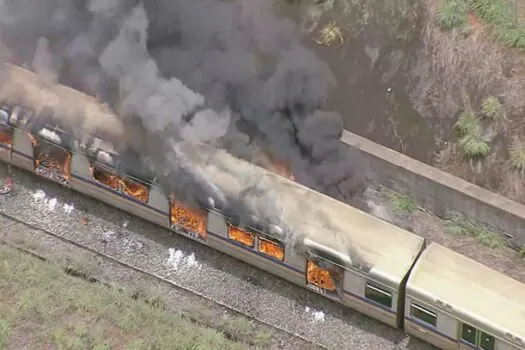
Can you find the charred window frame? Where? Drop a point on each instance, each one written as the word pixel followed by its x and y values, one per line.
pixel 241 235
pixel 51 159
pixel 378 295
pixel 104 175
pixel 197 227
pixel 324 273
pixel 135 188
pixel 270 246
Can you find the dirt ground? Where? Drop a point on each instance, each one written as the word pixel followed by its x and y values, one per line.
pixel 477 243
pixel 403 81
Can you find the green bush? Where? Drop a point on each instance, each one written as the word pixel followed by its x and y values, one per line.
pixel 468 123
pixel 453 14
pixel 474 146
pixel 491 107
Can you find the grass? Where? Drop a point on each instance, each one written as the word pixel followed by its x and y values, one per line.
pixel 401 203
pixel 491 107
pixel 471 142
pixel 517 155
pixel 41 306
pixel 499 16
pixel 455 224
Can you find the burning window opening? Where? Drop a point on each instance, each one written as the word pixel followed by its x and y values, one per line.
pixel 51 161
pixel 104 177
pixel 319 277
pixel 242 236
pixel 6 136
pixel 271 248
pixel 190 221
pixel 135 189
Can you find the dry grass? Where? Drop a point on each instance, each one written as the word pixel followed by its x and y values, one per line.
pixel 475 72
pixel 41 306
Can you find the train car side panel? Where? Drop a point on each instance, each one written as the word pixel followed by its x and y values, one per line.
pixel 431 323
pixel 22 150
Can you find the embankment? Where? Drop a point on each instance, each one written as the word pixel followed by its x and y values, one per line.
pixel 441 192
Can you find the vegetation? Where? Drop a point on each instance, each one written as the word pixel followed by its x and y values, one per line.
pixel 456 224
pixel 471 141
pixel 517 155
pixel 497 14
pixel 491 107
pixel 41 306
pixel 401 203
pixel 330 34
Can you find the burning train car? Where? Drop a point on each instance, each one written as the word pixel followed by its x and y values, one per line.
pixel 321 244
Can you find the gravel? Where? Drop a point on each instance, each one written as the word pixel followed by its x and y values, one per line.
pixel 196 267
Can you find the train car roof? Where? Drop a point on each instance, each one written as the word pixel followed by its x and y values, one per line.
pixel 386 249
pixel 72 106
pixel 478 295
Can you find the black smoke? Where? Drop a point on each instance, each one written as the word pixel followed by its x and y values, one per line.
pixel 228 73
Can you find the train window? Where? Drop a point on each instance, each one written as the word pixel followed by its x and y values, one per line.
pixel 468 334
pixel 378 295
pixel 239 235
pixel 423 314
pixel 271 248
pixel 487 342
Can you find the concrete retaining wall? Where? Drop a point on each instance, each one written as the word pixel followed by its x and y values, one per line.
pixel 439 191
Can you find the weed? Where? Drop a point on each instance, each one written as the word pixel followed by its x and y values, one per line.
pixel 517 155
pixel 453 14
pixel 45 303
pixel 456 224
pixel 522 252
pixel 330 34
pixel 468 123
pixel 474 146
pixel 401 203
pixel 491 107
pixel 496 13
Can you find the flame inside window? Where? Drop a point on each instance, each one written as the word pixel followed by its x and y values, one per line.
pixel 273 249
pixel 241 236
pixel 52 161
pixel 6 135
pixel 135 189
pixel 104 177
pixel 193 221
pixel 319 277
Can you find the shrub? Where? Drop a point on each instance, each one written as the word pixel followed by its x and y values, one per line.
pixel 491 107
pixel 474 146
pixel 468 123
pixel 453 14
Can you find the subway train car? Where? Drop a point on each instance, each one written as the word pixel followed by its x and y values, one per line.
pixel 318 243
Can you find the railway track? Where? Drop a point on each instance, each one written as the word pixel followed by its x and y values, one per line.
pixel 15 221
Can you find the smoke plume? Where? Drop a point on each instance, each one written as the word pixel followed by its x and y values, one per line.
pixel 226 73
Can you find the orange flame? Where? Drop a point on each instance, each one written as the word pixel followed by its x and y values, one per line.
pixel 271 163
pixel 188 219
pixel 135 190
pixel 104 177
pixel 6 136
pixel 270 248
pixel 241 236
pixel 319 277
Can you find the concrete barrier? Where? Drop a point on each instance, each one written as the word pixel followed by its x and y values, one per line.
pixel 439 191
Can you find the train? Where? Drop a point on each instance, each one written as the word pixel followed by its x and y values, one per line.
pixel 319 243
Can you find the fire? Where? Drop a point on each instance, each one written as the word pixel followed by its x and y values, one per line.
pixel 319 277
pixel 190 220
pixel 241 236
pixel 104 177
pixel 6 136
pixel 270 248
pixel 135 190
pixel 275 165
